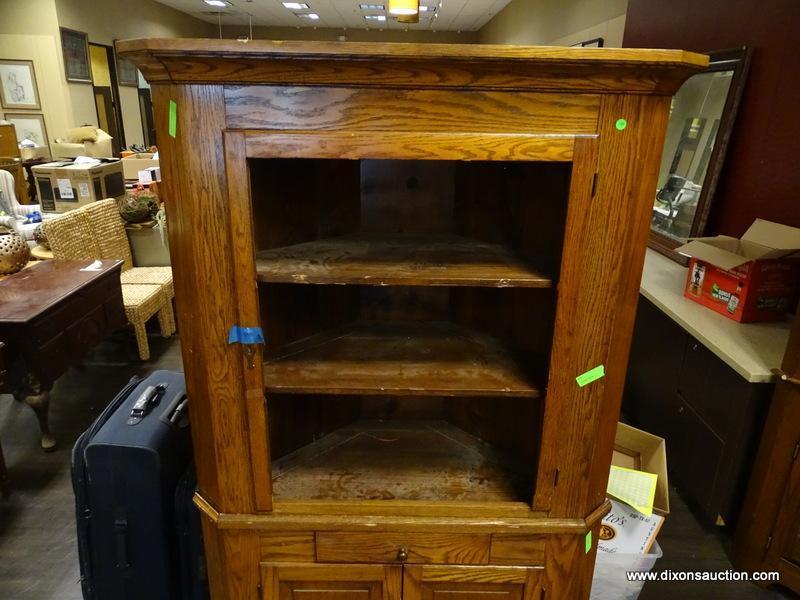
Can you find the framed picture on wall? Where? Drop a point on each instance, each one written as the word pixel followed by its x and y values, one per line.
pixel 18 85
pixel 593 43
pixel 29 126
pixel 126 72
pixel 75 47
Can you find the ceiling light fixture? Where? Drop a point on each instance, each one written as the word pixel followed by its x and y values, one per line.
pixel 312 16
pixel 295 5
pixel 375 17
pixel 220 3
pixel 403 7
pixel 408 18
pixel 372 7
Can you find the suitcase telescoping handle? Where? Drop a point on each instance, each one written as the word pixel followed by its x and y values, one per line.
pixel 149 398
pixel 175 414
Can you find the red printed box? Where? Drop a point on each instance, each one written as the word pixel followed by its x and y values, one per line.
pixel 749 279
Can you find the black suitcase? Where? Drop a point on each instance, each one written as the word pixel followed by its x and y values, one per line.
pixel 125 469
pixel 193 573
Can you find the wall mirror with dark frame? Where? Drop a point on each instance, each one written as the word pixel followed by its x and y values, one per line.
pixel 700 124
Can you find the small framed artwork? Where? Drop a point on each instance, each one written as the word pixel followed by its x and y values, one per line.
pixel 126 72
pixel 75 46
pixel 18 85
pixel 593 43
pixel 29 126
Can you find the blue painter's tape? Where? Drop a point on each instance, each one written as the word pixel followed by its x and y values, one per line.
pixel 245 335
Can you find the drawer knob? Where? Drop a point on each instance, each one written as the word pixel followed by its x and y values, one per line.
pixel 402 554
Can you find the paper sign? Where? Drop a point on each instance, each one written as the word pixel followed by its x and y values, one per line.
pixel 625 530
pixel 83 189
pixel 145 177
pixel 64 188
pixel 173 118
pixel 636 488
pixel 590 376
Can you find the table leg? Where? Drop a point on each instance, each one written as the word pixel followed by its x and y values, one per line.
pixel 40 403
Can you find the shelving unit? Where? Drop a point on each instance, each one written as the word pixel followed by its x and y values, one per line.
pixel 431 359
pixel 435 241
pixel 400 460
pixel 446 260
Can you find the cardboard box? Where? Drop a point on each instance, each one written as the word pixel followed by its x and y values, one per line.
pixel 749 279
pixel 131 165
pixel 63 185
pixel 642 451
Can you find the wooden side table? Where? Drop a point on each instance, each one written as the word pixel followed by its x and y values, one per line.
pixel 51 314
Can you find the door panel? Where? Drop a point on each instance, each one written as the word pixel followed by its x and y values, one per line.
pixel 422 582
pixel 330 582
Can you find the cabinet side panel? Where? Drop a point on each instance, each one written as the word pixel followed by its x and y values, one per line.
pixel 203 266
pixel 604 246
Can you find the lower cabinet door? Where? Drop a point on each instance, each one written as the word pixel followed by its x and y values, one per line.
pixel 429 582
pixel 331 582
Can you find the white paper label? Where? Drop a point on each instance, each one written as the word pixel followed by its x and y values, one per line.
pixel 83 189
pixel 145 177
pixel 64 188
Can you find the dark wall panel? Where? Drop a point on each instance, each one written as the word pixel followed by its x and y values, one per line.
pixel 761 177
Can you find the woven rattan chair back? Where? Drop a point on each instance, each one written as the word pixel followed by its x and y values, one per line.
pixel 71 237
pixel 108 230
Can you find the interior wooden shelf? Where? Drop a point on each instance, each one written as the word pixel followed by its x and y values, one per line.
pixel 449 260
pixel 400 460
pixel 431 359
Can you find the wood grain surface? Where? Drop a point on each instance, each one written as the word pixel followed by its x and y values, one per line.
pixel 446 260
pixel 288 546
pixel 414 359
pixel 413 65
pixel 333 109
pixel 287 581
pixel 470 582
pixel 413 460
pixel 193 169
pixel 604 247
pixel 441 548
pixel 241 235
pixel 404 145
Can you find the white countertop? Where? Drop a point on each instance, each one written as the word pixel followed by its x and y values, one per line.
pixel 751 349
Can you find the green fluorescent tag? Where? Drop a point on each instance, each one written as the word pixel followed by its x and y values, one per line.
pixel 173 118
pixel 590 376
pixel 588 542
pixel 621 124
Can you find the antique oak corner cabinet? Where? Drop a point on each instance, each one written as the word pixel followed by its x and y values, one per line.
pixel 435 240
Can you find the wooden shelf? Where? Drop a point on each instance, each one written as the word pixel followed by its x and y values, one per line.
pixel 400 460
pixel 398 260
pixel 431 359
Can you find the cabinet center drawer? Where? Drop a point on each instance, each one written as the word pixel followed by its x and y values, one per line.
pixel 468 549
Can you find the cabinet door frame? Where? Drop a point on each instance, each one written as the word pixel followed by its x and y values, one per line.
pixel 389 577
pixel 417 577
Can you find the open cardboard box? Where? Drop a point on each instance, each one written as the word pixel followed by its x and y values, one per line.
pixel 749 279
pixel 642 451
pixel 132 164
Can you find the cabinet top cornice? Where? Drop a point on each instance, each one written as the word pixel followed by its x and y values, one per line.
pixel 412 65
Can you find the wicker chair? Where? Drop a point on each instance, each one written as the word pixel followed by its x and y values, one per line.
pixel 91 234
pixel 109 231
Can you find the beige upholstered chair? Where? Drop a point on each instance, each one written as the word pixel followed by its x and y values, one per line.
pixel 96 231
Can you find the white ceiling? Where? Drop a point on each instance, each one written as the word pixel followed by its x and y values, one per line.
pixel 452 15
